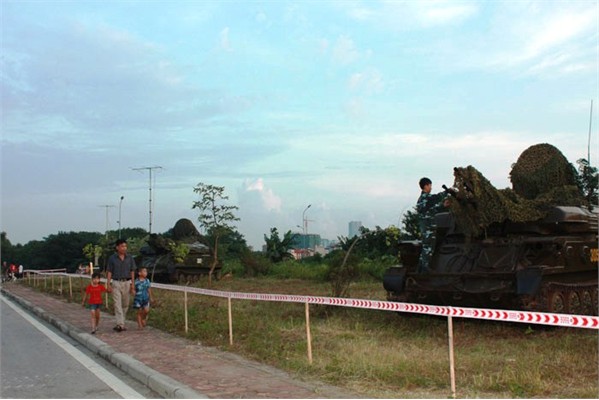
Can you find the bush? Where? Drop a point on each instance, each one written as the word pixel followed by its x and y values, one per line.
pixel 292 269
pixel 374 269
pixel 255 263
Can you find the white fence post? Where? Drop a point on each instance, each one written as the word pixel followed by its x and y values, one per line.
pixel 451 358
pixel 308 335
pixel 185 308
pixel 230 321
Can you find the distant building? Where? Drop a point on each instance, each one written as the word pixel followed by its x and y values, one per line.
pixel 354 229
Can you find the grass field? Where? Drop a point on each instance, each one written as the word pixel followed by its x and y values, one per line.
pixel 382 354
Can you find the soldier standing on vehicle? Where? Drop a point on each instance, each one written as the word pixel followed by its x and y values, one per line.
pixel 427 206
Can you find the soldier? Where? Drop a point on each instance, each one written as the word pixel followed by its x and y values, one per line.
pixel 427 206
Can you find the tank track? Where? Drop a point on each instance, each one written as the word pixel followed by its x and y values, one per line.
pixel 567 298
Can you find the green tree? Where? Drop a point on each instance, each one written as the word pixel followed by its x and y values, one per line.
pixel 588 181
pixel 92 252
pixel 8 251
pixel 411 226
pixel 232 244
pixel 215 216
pixel 278 249
pixel 374 244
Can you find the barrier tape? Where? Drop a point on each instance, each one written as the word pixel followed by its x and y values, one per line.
pixel 47 270
pixel 528 317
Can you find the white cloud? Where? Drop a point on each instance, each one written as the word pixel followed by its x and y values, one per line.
pixel 225 43
pixel 550 39
pixel 344 51
pixel 269 200
pixel 370 81
pixel 435 13
pixel 408 15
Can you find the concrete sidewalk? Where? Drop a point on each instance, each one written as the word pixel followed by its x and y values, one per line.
pixel 170 365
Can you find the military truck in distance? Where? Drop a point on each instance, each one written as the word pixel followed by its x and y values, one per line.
pixel 533 247
pixel 158 257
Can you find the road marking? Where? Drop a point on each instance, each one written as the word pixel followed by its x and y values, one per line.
pixel 120 387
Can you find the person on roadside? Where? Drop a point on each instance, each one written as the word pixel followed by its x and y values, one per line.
pixel 427 206
pixel 93 294
pixel 13 272
pixel 143 297
pixel 120 275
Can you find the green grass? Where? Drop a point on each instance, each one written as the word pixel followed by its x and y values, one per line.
pixel 384 354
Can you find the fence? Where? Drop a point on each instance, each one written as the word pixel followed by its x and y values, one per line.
pixel 539 318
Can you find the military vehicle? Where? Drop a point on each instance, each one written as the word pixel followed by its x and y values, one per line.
pixel 159 258
pixel 533 247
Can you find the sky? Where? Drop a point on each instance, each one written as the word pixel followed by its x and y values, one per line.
pixel 338 105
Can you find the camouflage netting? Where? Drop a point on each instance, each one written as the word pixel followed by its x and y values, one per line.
pixel 185 229
pixel 543 177
pixel 539 170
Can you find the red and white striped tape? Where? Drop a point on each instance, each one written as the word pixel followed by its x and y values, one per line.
pixel 568 320
pixel 575 321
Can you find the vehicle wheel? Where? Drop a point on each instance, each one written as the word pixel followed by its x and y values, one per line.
pixel 574 305
pixel 586 302
pixel 556 302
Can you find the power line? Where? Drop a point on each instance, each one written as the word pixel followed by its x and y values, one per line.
pixel 149 169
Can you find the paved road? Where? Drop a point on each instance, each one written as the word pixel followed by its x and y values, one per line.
pixel 37 361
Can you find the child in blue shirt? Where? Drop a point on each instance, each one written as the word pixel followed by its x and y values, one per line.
pixel 143 296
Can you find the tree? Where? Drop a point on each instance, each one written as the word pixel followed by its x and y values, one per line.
pixel 276 249
pixel 411 225
pixel 588 181
pixel 8 253
pixel 92 252
pixel 215 217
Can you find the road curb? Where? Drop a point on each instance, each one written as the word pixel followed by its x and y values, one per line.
pixel 160 383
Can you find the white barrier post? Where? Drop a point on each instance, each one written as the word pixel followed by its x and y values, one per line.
pixel 451 358
pixel 61 284
pixel 308 335
pixel 45 281
pixel 185 307
pixel 52 282
pixel 70 288
pixel 230 321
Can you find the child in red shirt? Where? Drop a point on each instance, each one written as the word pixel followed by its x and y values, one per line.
pixel 94 291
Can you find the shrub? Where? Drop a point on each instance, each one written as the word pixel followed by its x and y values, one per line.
pixel 292 269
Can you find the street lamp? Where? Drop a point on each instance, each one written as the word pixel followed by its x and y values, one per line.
pixel 120 204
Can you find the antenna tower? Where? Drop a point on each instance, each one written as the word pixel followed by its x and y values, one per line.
pixel 149 169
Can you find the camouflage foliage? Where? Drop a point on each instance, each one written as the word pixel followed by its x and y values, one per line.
pixel 542 177
pixel 540 169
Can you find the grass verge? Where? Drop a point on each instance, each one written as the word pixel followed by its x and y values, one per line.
pixel 384 354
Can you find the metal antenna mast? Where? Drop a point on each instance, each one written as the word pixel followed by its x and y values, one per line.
pixel 149 169
pixel 589 145
pixel 107 206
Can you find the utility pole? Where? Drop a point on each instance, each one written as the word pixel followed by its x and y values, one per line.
pixel 149 169
pixel 107 206
pixel 589 145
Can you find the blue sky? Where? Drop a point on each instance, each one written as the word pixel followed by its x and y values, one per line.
pixel 343 105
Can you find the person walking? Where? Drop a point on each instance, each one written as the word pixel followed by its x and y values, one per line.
pixel 143 297
pixel 427 206
pixel 93 293
pixel 120 275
